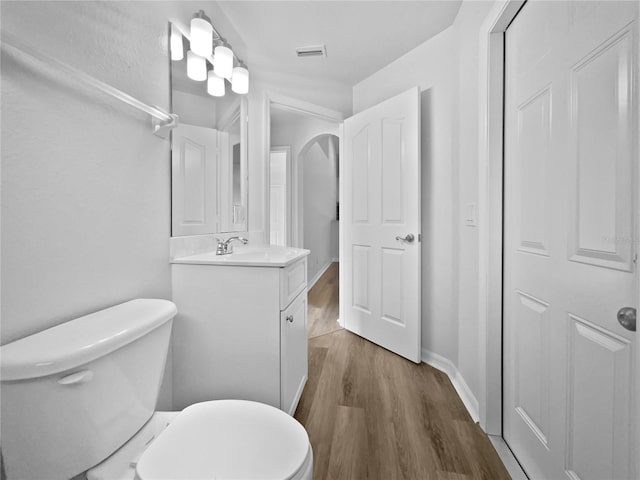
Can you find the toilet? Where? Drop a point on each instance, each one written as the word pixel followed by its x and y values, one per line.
pixel 80 397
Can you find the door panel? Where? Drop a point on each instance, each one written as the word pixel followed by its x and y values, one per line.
pixel 532 365
pixel 571 115
pixel 360 278
pixel 392 285
pixel 599 361
pixel 194 183
pixel 360 184
pixel 534 134
pixel 381 201
pixel 392 171
pixel 601 148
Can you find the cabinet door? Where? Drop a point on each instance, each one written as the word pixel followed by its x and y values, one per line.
pixel 293 352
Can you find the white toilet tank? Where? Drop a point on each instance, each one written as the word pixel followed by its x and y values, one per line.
pixel 73 394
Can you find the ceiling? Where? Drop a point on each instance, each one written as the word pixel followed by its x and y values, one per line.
pixel 361 37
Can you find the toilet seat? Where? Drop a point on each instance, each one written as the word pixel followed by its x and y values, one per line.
pixel 228 439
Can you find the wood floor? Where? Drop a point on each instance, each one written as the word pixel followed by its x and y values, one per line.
pixel 322 315
pixel 371 414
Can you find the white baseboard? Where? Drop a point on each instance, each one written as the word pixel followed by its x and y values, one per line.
pixel 445 365
pixel 335 260
pixel 318 275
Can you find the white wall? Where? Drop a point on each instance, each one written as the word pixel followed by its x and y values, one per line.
pixel 85 184
pixel 431 66
pixel 467 29
pixel 319 205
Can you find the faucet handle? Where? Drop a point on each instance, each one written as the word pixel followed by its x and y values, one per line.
pixel 220 248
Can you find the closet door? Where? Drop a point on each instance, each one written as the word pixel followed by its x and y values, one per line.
pixel 571 160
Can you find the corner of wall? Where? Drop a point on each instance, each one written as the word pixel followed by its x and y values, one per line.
pixel 457 380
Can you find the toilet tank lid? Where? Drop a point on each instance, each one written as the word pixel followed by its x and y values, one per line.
pixel 83 339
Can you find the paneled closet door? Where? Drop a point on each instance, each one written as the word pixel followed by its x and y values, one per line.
pixel 571 162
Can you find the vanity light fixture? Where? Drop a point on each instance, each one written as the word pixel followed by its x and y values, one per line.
pixel 177 47
pixel 240 79
pixel 196 67
pixel 215 84
pixel 207 46
pixel 201 34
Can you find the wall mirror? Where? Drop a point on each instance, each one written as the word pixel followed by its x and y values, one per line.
pixel 208 152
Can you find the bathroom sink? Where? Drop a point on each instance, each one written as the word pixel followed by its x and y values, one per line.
pixel 265 256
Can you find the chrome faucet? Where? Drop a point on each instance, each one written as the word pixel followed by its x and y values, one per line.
pixel 225 247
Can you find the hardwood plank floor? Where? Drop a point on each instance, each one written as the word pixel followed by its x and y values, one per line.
pixel 371 414
pixel 323 304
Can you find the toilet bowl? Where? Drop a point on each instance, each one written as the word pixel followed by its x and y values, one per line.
pixel 80 397
pixel 221 439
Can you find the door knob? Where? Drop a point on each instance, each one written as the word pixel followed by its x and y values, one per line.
pixel 289 318
pixel 409 238
pixel 627 318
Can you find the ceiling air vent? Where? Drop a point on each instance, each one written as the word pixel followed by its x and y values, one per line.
pixel 312 51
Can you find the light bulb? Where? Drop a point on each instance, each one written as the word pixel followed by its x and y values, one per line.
pixel 223 61
pixel 196 67
pixel 177 49
pixel 201 35
pixel 240 80
pixel 215 84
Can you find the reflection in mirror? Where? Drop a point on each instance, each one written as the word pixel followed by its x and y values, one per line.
pixel 208 151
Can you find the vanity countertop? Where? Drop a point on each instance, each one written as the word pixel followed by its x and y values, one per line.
pixel 265 256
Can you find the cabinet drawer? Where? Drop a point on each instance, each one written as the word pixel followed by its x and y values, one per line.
pixel 293 279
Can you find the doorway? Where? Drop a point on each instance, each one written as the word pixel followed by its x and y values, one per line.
pixel 303 184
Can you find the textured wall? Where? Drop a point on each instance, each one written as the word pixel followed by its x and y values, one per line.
pixel 319 205
pixel 85 184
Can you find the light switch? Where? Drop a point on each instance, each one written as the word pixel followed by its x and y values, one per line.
pixel 470 215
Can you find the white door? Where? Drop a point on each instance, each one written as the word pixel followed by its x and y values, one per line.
pixel 381 207
pixel 278 193
pixel 194 184
pixel 571 131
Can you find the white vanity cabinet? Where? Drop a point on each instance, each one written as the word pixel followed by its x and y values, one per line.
pixel 240 332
